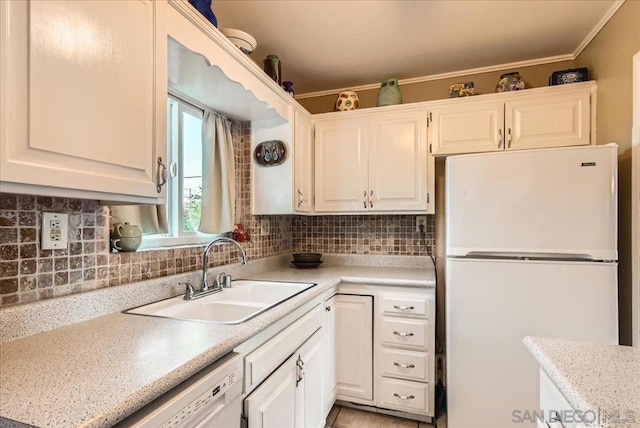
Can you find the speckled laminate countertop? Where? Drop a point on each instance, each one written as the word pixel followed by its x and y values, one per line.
pixel 95 373
pixel 592 377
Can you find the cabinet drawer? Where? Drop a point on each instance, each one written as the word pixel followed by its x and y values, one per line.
pixel 405 333
pixel 260 363
pixel 404 395
pixel 405 364
pixel 410 305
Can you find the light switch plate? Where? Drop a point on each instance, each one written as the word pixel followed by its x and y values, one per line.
pixel 55 231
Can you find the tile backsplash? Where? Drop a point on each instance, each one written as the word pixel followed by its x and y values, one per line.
pixel 363 234
pixel 28 273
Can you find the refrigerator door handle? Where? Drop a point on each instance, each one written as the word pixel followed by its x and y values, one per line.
pixel 530 256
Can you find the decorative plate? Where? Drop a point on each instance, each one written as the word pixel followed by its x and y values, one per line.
pixel 270 153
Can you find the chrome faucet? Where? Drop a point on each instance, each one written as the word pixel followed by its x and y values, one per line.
pixel 221 280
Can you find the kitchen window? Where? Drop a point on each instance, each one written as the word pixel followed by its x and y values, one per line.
pixel 184 182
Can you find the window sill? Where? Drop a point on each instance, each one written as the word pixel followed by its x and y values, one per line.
pixel 165 242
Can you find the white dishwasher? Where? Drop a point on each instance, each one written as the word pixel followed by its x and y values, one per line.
pixel 211 398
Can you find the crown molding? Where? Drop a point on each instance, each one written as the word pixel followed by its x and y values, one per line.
pixel 459 73
pixel 527 63
pixel 595 30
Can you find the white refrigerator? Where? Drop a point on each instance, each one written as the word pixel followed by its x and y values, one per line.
pixel 531 244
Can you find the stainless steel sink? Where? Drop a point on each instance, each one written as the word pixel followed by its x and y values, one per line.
pixel 243 301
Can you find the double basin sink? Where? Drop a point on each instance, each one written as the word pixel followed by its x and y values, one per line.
pixel 244 300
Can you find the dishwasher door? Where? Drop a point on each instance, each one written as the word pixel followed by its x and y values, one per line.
pixel 210 399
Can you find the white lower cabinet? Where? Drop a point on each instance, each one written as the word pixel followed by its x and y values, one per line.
pixel 556 410
pixel 404 351
pixel 354 348
pixel 273 404
pixel 364 344
pixel 284 373
pixel 292 395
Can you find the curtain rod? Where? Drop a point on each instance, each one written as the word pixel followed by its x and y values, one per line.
pixel 188 100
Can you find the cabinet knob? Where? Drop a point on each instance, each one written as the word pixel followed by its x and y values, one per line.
pixel 371 200
pixel 328 309
pixel 499 138
pixel 364 199
pixel 508 138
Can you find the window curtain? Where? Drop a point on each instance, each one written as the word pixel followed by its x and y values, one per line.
pixel 151 219
pixel 218 175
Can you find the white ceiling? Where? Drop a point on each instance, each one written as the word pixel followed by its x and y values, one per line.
pixel 326 44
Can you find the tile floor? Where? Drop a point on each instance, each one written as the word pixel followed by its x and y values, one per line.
pixel 346 417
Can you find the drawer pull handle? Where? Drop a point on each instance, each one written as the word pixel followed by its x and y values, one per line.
pixel 403 308
pixel 397 333
pixel 403 366
pixel 403 397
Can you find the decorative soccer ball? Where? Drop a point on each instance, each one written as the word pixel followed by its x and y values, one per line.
pixel 347 100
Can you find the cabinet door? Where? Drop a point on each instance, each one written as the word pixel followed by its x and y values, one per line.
pixel 466 126
pixel 310 405
pixel 303 163
pixel 398 174
pixel 273 404
pixel 329 385
pixel 548 121
pixel 341 165
pixel 354 347
pixel 79 96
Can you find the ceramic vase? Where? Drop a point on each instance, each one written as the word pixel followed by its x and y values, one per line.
pixel 273 67
pixel 389 93
pixel 347 100
pixel 288 87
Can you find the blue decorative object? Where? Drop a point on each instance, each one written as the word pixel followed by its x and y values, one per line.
pixel 288 87
pixel 204 7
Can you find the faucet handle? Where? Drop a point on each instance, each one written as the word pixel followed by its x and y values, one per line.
pixel 223 280
pixel 189 292
pixel 226 280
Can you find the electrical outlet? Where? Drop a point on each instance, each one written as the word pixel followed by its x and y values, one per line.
pixel 55 229
pixel 265 226
pixel 421 220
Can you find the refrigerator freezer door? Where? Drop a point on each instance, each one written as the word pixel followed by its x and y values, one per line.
pixel 491 305
pixel 553 201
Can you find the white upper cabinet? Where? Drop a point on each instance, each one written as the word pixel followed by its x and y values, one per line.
pixel 545 117
pixel 373 162
pixel 342 168
pixel 398 162
pixel 472 126
pixel 83 104
pixel 551 120
pixel 303 163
